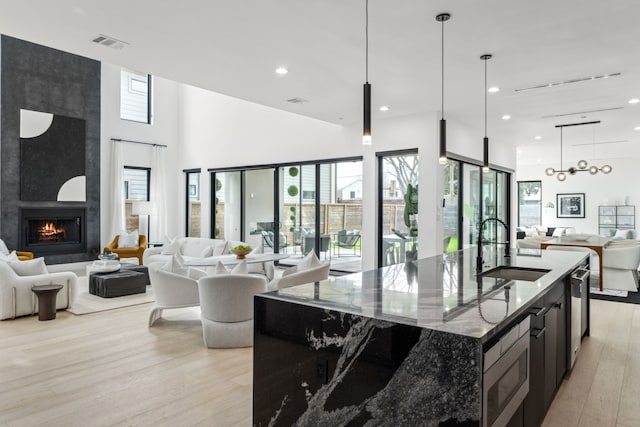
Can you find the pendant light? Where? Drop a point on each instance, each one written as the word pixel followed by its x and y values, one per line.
pixel 442 18
pixel 582 164
pixel 485 141
pixel 366 128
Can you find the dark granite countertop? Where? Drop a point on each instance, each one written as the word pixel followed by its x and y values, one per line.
pixel 439 293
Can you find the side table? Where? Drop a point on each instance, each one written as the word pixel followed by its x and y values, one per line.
pixel 46 300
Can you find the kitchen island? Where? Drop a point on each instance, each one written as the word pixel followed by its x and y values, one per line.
pixel 407 344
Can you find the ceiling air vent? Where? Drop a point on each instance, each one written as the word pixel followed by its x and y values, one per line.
pixel 110 42
pixel 566 82
pixel 297 100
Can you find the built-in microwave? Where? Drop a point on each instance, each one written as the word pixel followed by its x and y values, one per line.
pixel 505 382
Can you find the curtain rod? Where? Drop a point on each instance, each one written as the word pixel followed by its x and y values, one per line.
pixel 138 142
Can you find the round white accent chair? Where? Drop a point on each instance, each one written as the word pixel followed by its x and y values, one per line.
pixel 226 304
pixel 172 290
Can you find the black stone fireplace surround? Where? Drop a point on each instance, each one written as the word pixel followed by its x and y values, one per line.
pixel 38 78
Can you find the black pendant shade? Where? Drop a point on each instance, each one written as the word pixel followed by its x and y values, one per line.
pixel 443 141
pixel 366 127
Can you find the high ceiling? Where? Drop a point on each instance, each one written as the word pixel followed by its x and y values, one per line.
pixel 233 47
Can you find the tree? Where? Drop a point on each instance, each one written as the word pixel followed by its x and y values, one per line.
pixel 404 169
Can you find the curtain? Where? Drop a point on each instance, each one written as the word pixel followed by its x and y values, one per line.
pixel 116 214
pixel 158 223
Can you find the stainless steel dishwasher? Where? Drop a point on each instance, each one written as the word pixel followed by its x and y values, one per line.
pixel 579 293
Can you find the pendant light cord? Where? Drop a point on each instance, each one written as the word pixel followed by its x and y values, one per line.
pixel 442 73
pixel 366 38
pixel 561 149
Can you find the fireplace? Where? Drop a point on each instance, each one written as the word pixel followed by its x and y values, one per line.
pixel 53 231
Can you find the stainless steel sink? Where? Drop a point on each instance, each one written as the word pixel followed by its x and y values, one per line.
pixel 515 273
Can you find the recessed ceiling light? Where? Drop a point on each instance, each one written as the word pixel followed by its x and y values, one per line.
pixel 634 101
pixel 384 108
pixel 281 71
pixel 506 117
pixel 636 128
pixel 538 137
pixel 493 89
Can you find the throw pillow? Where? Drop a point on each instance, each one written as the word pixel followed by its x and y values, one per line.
pixel 128 240
pixel 31 267
pixel 206 252
pixel 241 268
pixel 621 235
pixel 559 231
pixel 219 248
pixel 220 269
pixel 310 260
pixel 13 256
pixel 256 267
pixel 173 247
pixel 290 270
pixel 177 265
pixel 3 248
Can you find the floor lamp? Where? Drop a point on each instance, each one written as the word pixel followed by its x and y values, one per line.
pixel 143 208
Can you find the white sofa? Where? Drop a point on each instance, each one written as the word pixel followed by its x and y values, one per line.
pixel 16 298
pixel 620 267
pixel 192 248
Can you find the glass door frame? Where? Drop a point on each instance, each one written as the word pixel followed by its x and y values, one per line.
pixel 187 202
pixel 380 155
pixel 509 174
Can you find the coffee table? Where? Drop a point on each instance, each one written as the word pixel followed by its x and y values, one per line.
pixel 46 300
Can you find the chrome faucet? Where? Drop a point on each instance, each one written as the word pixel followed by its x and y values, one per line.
pixel 506 244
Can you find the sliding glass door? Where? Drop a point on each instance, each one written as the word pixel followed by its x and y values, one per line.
pixel 294 209
pixel 398 207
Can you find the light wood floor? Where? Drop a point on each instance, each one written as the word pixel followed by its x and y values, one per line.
pixel 108 368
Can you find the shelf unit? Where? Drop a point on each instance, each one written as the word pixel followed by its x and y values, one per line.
pixel 616 218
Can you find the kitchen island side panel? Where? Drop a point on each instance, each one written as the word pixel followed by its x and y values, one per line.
pixel 314 366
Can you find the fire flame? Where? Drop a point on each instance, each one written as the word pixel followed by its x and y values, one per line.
pixel 49 230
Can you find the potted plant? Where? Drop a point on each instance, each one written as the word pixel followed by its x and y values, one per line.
pixel 411 219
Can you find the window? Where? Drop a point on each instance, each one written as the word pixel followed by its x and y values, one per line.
pixel 529 203
pixel 136 187
pixel 193 212
pixel 135 97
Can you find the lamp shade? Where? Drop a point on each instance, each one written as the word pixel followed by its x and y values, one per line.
pixel 143 207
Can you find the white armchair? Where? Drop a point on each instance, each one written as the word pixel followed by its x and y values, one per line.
pixel 226 303
pixel 620 267
pixel 292 277
pixel 16 298
pixel 172 290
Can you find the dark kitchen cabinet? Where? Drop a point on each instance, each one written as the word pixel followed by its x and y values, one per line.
pixel 548 354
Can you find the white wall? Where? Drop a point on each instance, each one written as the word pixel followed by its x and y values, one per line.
pixel 599 189
pixel 220 131
pixel 163 131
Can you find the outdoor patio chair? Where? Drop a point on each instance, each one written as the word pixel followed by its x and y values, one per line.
pixel 347 240
pixel 267 238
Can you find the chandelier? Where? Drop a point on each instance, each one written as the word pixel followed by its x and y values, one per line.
pixel 582 166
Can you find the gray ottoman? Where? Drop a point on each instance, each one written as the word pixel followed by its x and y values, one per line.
pixel 117 283
pixel 139 268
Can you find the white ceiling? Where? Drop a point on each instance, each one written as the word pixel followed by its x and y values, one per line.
pixel 233 47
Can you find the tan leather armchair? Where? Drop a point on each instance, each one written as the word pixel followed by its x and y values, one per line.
pixel 23 256
pixel 128 252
